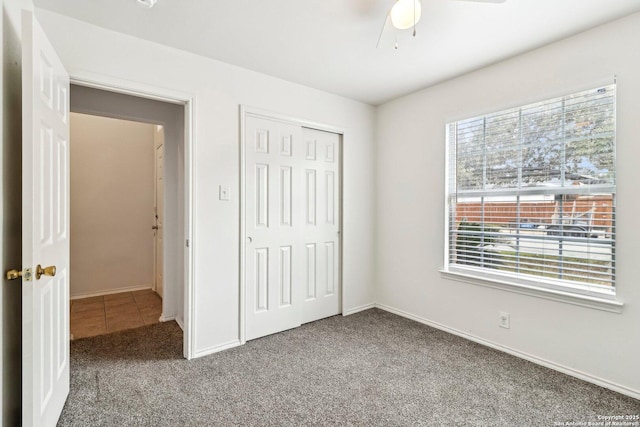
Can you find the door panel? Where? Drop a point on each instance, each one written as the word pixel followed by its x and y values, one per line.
pixel 45 228
pixel 321 232
pixel 273 206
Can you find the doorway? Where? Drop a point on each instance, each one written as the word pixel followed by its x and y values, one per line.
pixel 116 183
pixel 160 296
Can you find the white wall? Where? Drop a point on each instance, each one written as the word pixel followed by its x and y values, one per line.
pixel 220 89
pixel 411 206
pixel 112 204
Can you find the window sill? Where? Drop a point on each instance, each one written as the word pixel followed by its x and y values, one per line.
pixel 589 301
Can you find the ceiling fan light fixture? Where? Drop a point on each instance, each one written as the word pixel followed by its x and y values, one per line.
pixel 147 3
pixel 405 13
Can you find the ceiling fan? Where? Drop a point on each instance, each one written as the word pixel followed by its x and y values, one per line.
pixel 404 15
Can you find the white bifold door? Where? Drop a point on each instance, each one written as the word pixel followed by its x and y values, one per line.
pixel 292 225
pixel 45 229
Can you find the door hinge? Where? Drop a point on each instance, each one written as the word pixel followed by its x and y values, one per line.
pixel 187 242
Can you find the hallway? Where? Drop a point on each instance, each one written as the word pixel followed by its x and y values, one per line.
pixel 116 312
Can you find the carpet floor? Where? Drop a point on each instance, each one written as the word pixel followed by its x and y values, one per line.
pixel 372 368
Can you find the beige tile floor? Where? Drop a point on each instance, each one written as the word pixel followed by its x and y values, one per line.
pixel 110 313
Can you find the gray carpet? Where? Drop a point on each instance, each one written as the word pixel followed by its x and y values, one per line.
pixel 371 368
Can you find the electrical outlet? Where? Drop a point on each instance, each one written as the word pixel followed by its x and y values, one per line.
pixel 504 320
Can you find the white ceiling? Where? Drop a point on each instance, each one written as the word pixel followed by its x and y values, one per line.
pixel 331 44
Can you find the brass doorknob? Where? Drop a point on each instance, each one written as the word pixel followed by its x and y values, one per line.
pixel 47 271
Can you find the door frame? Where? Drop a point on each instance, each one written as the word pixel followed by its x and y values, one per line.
pixel 247 111
pixel 188 100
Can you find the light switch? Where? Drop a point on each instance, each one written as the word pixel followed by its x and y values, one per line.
pixel 225 193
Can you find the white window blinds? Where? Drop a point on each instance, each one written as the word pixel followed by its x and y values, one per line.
pixel 531 193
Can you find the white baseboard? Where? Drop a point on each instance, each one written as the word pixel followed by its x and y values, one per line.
pixel 358 309
pixel 216 349
pixel 179 322
pixel 531 358
pixel 110 292
pixel 168 319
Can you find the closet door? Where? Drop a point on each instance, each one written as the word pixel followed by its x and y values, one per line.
pixel 292 223
pixel 273 208
pixel 321 230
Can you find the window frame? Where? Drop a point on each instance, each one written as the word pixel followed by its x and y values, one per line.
pixel 538 286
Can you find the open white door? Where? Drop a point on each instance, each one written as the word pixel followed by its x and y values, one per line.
pixel 45 228
pixel 159 208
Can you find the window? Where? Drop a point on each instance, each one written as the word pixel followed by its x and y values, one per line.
pixel 531 194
